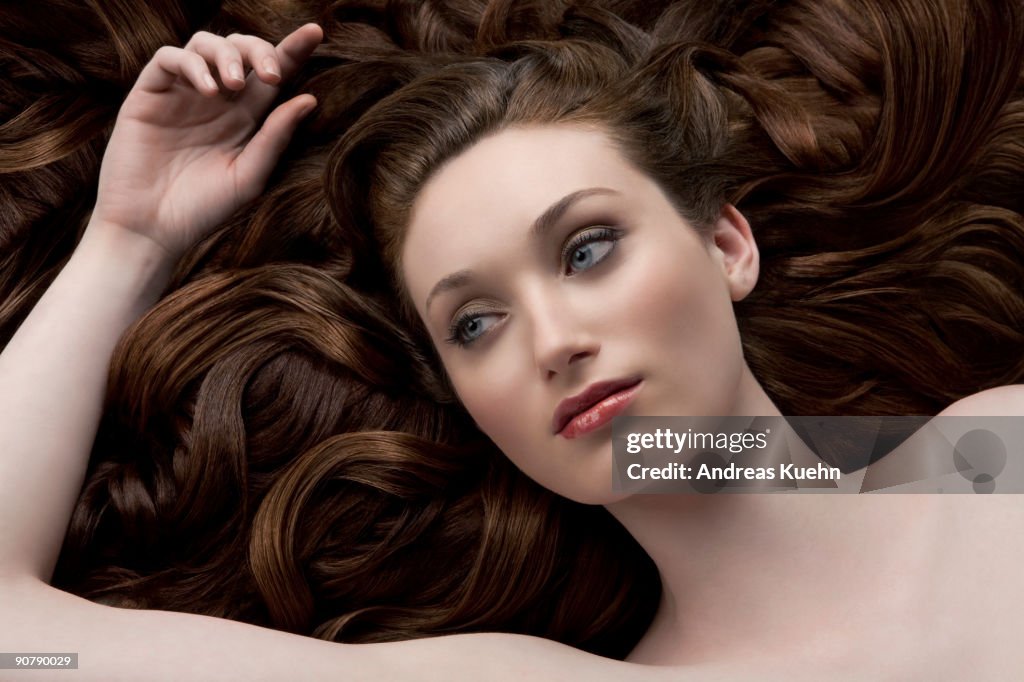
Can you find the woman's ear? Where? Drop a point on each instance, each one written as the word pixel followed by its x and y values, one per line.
pixel 734 247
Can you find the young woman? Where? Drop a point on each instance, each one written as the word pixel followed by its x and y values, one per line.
pixel 531 212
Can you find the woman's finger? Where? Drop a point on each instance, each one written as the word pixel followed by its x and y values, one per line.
pixel 295 48
pixel 231 56
pixel 257 160
pixel 219 51
pixel 260 55
pixel 171 63
pixel 291 53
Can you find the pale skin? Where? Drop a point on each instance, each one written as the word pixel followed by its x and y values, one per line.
pixel 180 160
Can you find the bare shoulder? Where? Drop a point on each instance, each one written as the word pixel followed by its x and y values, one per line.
pixel 1002 401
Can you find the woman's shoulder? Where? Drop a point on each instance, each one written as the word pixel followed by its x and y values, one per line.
pixel 1001 401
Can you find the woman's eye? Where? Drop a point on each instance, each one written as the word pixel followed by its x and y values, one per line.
pixel 588 249
pixel 582 252
pixel 468 327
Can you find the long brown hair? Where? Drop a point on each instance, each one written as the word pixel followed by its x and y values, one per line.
pixel 874 147
pixel 278 447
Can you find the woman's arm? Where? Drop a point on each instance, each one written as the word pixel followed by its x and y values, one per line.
pixel 52 379
pixel 181 158
pixel 116 644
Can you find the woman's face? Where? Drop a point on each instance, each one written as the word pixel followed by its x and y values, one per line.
pixel 544 264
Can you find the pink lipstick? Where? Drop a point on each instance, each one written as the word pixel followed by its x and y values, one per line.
pixel 594 408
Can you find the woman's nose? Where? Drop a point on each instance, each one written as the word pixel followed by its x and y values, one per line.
pixel 560 339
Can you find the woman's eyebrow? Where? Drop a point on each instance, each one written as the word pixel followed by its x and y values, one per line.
pixel 541 226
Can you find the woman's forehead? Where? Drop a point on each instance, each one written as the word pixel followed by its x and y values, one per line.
pixel 513 175
pixel 498 188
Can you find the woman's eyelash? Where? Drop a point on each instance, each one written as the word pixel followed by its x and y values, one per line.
pixel 581 239
pixel 457 330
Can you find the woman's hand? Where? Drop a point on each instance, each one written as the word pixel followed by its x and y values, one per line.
pixel 183 155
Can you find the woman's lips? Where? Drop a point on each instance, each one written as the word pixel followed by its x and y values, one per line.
pixel 601 413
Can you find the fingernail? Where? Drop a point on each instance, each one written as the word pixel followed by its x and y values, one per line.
pixel 270 64
pixel 235 71
pixel 210 83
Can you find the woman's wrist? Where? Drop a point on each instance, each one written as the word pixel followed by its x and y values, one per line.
pixel 125 261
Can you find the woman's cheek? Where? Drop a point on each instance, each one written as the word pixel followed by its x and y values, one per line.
pixel 492 394
pixel 687 328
